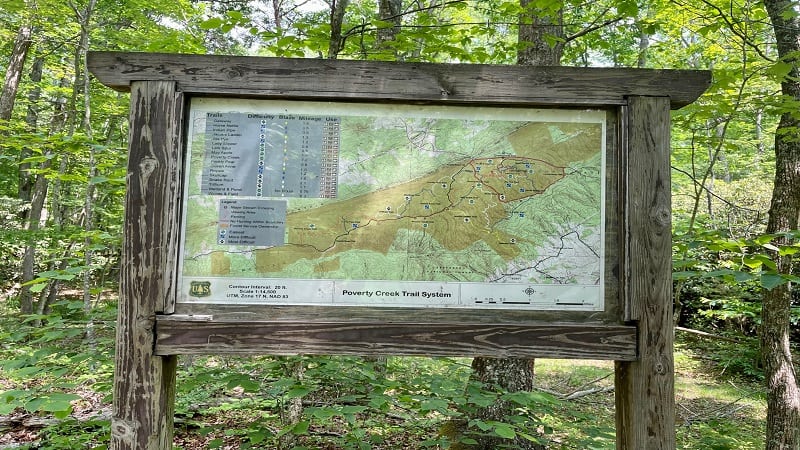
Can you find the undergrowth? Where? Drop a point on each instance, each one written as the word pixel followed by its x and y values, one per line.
pixel 55 389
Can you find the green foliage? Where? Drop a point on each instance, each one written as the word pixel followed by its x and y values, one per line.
pixel 71 433
pixel 54 371
pixel 712 254
pixel 349 403
pixel 374 405
pixel 719 281
pixel 722 164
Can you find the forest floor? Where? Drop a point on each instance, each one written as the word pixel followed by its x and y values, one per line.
pixel 55 393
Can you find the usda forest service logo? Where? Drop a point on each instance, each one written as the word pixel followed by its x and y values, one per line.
pixel 200 288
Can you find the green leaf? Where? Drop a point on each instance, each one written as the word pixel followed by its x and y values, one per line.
pixel 505 431
pixel 683 275
pixel 212 23
pixel 434 404
pixel 719 273
pixel 528 437
pixel 322 413
pixel 257 437
pixel 528 398
pixel 62 413
pixel 298 391
pixel 11 400
pixel 300 428
pixel 353 409
pixel 483 426
pixel 36 288
pixel 788 250
pixel 780 69
pixel 771 281
pixel 752 262
pixel 772 247
pixel 742 277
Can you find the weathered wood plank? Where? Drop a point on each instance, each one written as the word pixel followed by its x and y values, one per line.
pixel 192 335
pixel 143 382
pixel 391 81
pixel 344 314
pixel 645 389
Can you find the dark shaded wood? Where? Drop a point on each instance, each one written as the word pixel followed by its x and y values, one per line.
pixel 143 382
pixel 402 82
pixel 614 305
pixel 645 389
pixel 197 335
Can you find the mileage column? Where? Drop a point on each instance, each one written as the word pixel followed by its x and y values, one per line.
pixel 329 169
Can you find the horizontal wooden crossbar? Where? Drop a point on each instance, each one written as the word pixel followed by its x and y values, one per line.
pixel 315 79
pixel 187 335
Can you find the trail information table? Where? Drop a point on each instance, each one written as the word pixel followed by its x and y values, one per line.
pixel 296 157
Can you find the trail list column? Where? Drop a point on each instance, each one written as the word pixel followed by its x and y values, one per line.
pixel 228 160
pixel 270 155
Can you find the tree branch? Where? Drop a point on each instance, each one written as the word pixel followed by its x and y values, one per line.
pixel 592 28
pixel 363 27
pixel 731 26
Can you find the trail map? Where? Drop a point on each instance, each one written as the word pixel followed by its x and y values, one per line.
pixel 309 203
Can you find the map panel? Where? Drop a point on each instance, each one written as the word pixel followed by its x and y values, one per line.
pixel 310 203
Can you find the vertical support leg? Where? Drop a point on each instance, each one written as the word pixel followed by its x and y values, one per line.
pixel 645 389
pixel 144 384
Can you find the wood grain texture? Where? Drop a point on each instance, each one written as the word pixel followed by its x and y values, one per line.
pixel 344 314
pixel 143 382
pixel 191 335
pixel 645 389
pixel 391 81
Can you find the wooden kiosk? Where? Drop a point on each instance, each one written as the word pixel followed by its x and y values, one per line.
pixel 169 306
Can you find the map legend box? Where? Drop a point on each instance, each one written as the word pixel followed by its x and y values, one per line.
pixel 258 223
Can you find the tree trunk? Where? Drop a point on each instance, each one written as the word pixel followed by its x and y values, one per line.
pixel 783 394
pixel 644 46
pixel 29 259
pixel 85 18
pixel 337 18
pixel 389 11
pixel 540 36
pixel 278 13
pixel 25 179
pixel 294 406
pixel 8 96
pixel 513 375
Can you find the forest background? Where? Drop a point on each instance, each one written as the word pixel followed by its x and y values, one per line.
pixel 62 181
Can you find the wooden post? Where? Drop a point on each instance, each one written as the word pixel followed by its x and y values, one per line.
pixel 645 389
pixel 144 384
